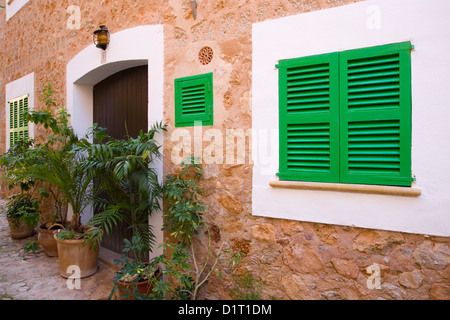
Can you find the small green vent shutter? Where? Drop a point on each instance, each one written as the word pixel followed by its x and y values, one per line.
pixel 194 100
pixel 375 115
pixel 18 128
pixel 309 118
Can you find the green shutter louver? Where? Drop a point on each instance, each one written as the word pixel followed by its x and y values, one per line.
pixel 18 128
pixel 309 128
pixel 375 114
pixel 194 100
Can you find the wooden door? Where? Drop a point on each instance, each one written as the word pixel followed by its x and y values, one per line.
pixel 120 106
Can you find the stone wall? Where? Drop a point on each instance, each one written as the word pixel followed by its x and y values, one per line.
pixel 314 261
pixel 287 259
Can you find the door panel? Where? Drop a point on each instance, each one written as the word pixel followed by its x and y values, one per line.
pixel 120 106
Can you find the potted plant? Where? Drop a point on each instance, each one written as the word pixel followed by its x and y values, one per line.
pixel 57 221
pixel 124 172
pixel 23 215
pixel 24 154
pixel 46 238
pixel 184 273
pixel 46 230
pixel 22 209
pixel 64 170
pixel 135 279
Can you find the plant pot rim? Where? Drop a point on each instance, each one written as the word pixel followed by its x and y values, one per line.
pixel 70 241
pixel 73 241
pixel 19 220
pixel 42 226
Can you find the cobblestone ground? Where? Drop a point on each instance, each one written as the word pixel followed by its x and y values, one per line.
pixel 35 276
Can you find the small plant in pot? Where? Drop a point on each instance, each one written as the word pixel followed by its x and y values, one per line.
pixel 134 280
pixel 23 215
pixel 22 209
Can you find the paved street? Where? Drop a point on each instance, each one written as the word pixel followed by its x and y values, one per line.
pixel 35 276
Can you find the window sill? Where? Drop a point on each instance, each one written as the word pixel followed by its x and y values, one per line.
pixel 342 187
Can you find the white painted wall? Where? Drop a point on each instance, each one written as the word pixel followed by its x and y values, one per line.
pixel 14 7
pixel 369 23
pixel 15 89
pixel 128 48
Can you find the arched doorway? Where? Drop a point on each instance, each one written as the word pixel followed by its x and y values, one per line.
pixel 87 69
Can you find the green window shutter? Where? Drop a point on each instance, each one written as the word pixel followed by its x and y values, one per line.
pixel 309 118
pixel 375 115
pixel 194 100
pixel 18 128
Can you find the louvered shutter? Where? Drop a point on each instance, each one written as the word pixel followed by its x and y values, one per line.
pixel 194 100
pixel 18 128
pixel 309 118
pixel 375 115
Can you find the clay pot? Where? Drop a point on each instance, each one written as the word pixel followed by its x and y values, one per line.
pixel 21 230
pixel 46 239
pixel 143 286
pixel 79 254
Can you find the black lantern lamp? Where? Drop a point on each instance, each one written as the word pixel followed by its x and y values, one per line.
pixel 101 37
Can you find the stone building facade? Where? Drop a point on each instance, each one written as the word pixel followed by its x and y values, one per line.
pixel 333 244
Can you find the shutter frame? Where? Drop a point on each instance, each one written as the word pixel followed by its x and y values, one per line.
pixel 381 126
pixel 194 100
pixel 305 120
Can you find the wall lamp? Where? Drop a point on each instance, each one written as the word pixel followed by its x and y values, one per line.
pixel 101 37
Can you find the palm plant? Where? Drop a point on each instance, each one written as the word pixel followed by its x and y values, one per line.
pixel 63 170
pixel 124 174
pixel 29 162
pixel 60 165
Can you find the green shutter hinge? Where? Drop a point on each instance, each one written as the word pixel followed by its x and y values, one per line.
pixel 412 47
pixel 277 66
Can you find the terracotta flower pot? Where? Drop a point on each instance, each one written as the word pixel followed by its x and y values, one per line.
pixel 143 286
pixel 21 230
pixel 76 253
pixel 46 239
